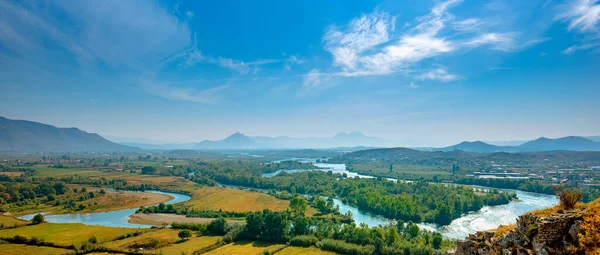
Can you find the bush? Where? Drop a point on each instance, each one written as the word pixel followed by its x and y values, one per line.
pixel 235 233
pixel 345 248
pixel 568 198
pixel 304 241
pixel 37 219
pixel 93 239
pixel 184 234
pixel 218 226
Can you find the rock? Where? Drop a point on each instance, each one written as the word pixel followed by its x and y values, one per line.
pixel 466 247
pixel 574 230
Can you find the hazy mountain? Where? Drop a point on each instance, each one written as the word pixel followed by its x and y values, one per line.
pixel 477 146
pixel 28 136
pixel 572 143
pixel 162 146
pixel 240 141
pixel 593 138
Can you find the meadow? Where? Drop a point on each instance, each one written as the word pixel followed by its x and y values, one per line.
pixel 22 249
pixel 247 247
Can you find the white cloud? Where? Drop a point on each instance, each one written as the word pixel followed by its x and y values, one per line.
pixel 574 48
pixel 499 41
pixel 206 96
pixel 582 15
pixel 413 85
pixel 439 74
pixel 312 79
pixel 370 46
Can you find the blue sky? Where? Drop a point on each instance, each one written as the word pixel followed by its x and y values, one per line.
pixel 418 72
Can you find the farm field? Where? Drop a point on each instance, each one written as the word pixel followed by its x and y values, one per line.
pixel 216 198
pixel 22 249
pixel 291 250
pixel 191 245
pixel 167 219
pixel 246 248
pixel 165 236
pixel 10 221
pixel 68 233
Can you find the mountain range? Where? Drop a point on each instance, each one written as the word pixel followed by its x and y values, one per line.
pixel 22 136
pixel 241 141
pixel 572 143
pixel 19 136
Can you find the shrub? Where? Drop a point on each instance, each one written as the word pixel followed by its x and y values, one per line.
pixel 184 234
pixel 218 226
pixel 93 239
pixel 37 219
pixel 304 241
pixel 235 233
pixel 569 197
pixel 345 248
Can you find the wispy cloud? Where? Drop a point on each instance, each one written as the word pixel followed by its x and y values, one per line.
pixel 574 48
pixel 312 79
pixel 583 17
pixel 206 96
pixel 369 44
pixel 413 85
pixel 439 74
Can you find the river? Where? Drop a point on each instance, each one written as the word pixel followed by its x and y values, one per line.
pixel 488 217
pixel 118 218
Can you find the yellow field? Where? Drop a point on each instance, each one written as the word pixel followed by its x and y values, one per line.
pixel 166 237
pixel 68 233
pixel 304 251
pixel 191 245
pixel 11 174
pixel 10 221
pixel 246 247
pixel 21 249
pixel 215 198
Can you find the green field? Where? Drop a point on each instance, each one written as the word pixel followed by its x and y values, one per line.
pixel 10 221
pixel 68 233
pixel 21 249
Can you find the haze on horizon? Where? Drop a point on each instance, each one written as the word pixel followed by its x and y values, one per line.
pixel 426 73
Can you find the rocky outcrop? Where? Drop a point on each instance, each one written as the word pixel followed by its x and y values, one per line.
pixel 533 234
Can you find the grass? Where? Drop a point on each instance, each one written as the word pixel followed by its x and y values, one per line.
pixel 246 247
pixel 68 233
pixel 10 221
pixel 166 237
pixel 191 245
pixel 21 249
pixel 46 171
pixel 216 198
pixel 304 251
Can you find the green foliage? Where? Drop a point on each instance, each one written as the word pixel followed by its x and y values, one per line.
pixel 304 240
pixel 437 241
pixel 37 219
pixel 218 226
pixel 184 234
pixel 298 206
pixel 345 248
pixel 93 239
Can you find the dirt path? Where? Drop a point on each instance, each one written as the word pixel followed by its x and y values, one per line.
pixel 167 219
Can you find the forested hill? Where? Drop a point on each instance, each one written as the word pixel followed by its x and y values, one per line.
pixel 20 136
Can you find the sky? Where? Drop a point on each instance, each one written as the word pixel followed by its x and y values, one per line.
pixel 422 73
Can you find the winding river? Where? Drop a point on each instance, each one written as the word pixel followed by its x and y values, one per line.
pixel 118 218
pixel 488 217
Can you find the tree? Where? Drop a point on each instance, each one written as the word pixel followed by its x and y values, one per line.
pixel 437 240
pixel 184 234
pixel 37 219
pixel 321 205
pixel 413 230
pixel 93 239
pixel 301 226
pixel 218 226
pixel 298 206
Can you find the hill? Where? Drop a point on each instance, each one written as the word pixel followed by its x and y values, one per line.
pixel 569 143
pixel 21 136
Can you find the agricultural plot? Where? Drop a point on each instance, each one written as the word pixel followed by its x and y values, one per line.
pixel 246 248
pixel 21 249
pixel 68 233
pixel 304 251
